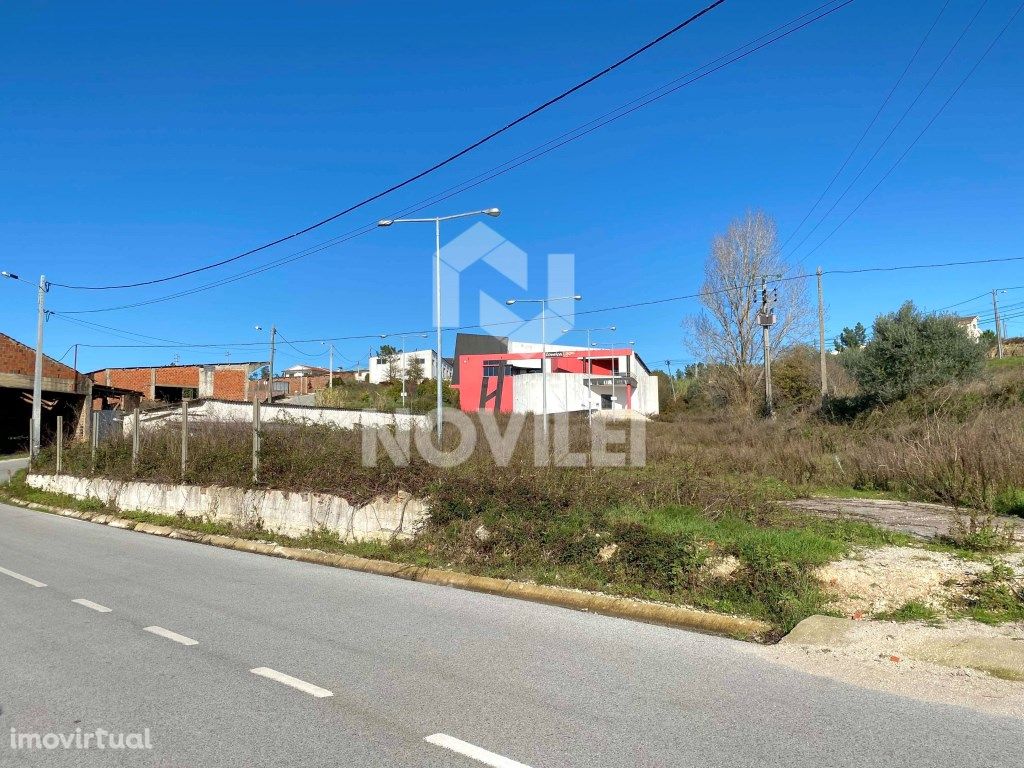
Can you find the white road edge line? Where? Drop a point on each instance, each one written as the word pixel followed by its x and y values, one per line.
pixel 90 604
pixel 19 577
pixel 170 635
pixel 294 682
pixel 468 750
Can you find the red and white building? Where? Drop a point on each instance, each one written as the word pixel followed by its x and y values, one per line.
pixel 512 381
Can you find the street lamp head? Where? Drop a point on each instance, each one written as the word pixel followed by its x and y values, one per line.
pixel 577 297
pixel 612 328
pixel 495 212
pixel 383 335
pixel 385 222
pixel 258 327
pixel 510 302
pixel 11 275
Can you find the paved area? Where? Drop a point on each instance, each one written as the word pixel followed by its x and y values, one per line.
pixel 9 466
pixel 231 659
pixel 923 521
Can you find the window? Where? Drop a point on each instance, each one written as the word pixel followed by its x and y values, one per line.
pixel 495 369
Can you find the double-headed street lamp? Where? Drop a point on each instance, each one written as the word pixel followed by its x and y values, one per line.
pixel 436 220
pixel 544 348
pixel 589 361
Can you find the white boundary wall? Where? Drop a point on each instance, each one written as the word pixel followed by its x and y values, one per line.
pixel 226 411
pixel 288 513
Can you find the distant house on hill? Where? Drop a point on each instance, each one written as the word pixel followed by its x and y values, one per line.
pixel 970 325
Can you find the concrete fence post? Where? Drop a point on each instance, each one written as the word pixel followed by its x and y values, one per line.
pixel 95 441
pixel 135 439
pixel 255 440
pixel 184 438
pixel 60 444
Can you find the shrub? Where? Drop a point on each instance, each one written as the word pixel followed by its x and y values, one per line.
pixel 912 352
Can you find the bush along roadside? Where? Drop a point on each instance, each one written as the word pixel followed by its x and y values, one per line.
pixel 726 562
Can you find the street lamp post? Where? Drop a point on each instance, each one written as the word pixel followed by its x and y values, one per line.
pixel 436 220
pixel 544 349
pixel 404 336
pixel 589 363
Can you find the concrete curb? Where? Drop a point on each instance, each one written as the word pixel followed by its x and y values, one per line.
pixel 607 605
pixel 999 656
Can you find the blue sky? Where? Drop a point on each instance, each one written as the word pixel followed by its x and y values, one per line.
pixel 141 140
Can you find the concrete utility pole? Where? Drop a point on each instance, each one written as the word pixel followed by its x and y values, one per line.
pixel 273 345
pixel 330 364
pixel 999 333
pixel 821 337
pixel 766 319
pixel 35 440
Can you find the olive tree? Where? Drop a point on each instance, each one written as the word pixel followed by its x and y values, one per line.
pixel 911 352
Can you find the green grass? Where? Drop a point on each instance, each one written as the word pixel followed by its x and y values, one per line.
pixel 994 597
pixel 913 610
pixel 1006 362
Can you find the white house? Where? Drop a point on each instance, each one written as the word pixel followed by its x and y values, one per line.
pixel 970 325
pixel 380 369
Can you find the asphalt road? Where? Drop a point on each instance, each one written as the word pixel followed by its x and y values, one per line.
pixel 9 466
pixel 402 662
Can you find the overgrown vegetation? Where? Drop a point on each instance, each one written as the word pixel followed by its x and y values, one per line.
pixel 421 396
pixel 994 597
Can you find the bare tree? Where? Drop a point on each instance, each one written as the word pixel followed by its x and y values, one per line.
pixel 725 333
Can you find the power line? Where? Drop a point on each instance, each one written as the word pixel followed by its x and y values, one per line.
pixel 482 326
pixel 506 167
pixel 437 166
pixel 869 126
pixel 924 130
pixel 895 127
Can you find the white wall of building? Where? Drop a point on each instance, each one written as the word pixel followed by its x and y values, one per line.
pixel 569 392
pixel 379 368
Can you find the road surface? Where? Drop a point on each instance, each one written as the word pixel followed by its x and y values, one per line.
pixel 9 466
pixel 233 659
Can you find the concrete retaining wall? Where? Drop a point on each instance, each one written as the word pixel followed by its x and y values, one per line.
pixel 288 513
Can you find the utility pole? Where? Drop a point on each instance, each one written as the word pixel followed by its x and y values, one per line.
pixel 330 357
pixel 766 319
pixel 273 344
pixel 35 439
pixel 821 337
pixel 999 333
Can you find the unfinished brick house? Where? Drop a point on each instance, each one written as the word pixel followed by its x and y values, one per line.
pixel 66 393
pixel 174 383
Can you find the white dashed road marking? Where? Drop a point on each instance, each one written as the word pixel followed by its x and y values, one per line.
pixel 19 577
pixel 90 604
pixel 171 635
pixel 471 751
pixel 294 682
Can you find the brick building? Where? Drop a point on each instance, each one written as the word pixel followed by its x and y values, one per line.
pixel 173 383
pixel 66 393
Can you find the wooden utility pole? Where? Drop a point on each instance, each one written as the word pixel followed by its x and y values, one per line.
pixel 821 337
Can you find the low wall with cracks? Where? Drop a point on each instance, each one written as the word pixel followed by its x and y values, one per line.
pixel 591 602
pixel 285 512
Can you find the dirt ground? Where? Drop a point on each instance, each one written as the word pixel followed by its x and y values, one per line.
pixel 876 658
pixel 878 580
